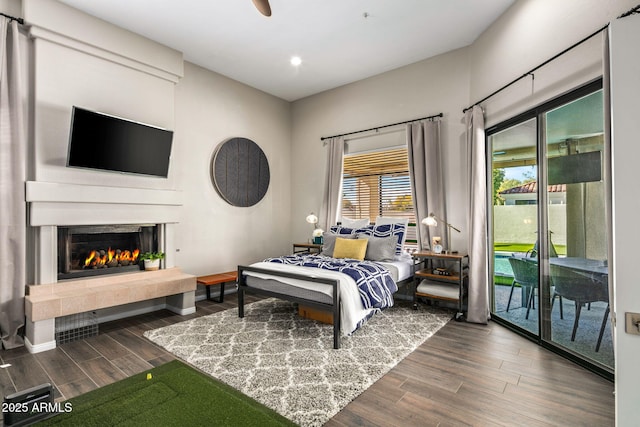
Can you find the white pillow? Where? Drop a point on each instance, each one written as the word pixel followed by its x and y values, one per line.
pixel 354 223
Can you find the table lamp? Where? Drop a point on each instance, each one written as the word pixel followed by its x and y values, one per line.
pixel 317 232
pixel 312 219
pixel 432 221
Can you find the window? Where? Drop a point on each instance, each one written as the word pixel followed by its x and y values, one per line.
pixel 378 184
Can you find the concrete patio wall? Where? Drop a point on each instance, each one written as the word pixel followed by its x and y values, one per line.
pixel 519 224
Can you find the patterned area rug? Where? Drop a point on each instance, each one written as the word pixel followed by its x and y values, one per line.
pixel 288 363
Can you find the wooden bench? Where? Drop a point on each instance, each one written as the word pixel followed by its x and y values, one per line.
pixel 217 279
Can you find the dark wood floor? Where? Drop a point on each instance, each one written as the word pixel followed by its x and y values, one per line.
pixel 464 375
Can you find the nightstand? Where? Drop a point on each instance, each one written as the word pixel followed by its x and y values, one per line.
pixel 440 277
pixel 310 248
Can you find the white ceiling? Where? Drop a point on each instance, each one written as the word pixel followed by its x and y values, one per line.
pixel 338 44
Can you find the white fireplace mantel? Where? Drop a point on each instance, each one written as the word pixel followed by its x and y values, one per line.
pixel 63 204
pixel 53 204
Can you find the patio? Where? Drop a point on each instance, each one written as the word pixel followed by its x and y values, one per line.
pixel 588 329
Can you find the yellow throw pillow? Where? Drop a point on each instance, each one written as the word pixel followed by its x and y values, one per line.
pixel 350 248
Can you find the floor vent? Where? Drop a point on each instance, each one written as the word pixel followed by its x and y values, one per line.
pixel 76 327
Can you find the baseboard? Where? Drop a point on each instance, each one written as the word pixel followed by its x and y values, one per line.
pixel 38 348
pixel 181 311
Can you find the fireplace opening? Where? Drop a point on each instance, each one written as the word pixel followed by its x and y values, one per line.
pixel 94 250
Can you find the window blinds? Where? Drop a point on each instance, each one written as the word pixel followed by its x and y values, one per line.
pixel 378 184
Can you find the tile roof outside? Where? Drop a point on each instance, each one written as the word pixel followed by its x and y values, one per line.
pixel 532 187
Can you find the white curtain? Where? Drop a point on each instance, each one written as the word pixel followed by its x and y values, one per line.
pixel 12 182
pixel 427 184
pixel 333 183
pixel 478 301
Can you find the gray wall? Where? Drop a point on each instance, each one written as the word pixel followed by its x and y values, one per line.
pixel 437 85
pixel 213 236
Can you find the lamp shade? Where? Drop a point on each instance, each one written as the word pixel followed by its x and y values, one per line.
pixel 312 218
pixel 430 221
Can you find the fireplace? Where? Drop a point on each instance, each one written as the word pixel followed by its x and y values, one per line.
pixel 63 215
pixel 92 250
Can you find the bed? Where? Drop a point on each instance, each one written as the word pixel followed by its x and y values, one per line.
pixel 352 290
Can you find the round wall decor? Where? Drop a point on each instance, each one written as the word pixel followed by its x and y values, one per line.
pixel 240 172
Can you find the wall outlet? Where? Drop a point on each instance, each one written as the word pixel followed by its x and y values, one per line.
pixel 632 323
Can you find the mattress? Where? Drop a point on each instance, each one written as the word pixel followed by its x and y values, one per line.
pixel 400 268
pixel 276 285
pixel 352 308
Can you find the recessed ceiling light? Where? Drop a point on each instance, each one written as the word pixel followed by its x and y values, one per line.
pixel 296 61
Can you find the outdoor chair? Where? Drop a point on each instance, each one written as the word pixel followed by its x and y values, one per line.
pixel 533 253
pixel 525 273
pixel 581 288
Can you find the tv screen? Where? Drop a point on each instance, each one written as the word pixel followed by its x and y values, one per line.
pixel 100 141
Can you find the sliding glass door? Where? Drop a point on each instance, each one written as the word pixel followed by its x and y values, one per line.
pixel 515 222
pixel 578 279
pixel 549 228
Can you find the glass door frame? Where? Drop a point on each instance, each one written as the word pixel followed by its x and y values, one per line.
pixel 544 335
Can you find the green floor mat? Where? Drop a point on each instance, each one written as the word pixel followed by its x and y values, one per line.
pixel 173 394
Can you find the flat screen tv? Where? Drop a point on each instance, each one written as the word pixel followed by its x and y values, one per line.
pixel 101 141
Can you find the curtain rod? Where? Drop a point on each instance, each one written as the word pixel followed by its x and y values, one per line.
pixel 13 18
pixel 381 127
pixel 530 72
pixel 630 12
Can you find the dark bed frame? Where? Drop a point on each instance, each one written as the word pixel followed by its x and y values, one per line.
pixel 333 308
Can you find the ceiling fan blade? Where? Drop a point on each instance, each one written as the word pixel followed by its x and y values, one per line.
pixel 263 7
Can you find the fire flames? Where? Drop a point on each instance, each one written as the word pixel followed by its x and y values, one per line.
pixel 111 258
